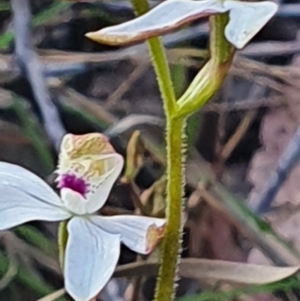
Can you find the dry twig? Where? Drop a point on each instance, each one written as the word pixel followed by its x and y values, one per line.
pixel 30 63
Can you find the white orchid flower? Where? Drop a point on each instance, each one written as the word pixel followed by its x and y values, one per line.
pixel 88 168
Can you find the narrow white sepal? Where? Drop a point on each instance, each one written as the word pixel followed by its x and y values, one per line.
pixel 91 257
pixel 132 229
pixel 247 19
pixel 25 197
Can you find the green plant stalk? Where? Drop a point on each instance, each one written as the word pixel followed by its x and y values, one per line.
pixel 174 135
pixel 178 75
pixel 62 242
pixel 221 51
pixel 203 87
pixel 160 63
pixel 211 76
pixel 171 246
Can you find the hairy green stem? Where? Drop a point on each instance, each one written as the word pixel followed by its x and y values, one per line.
pixel 160 63
pixel 175 130
pixel 162 71
pixel 171 247
pixel 221 50
pixel 200 91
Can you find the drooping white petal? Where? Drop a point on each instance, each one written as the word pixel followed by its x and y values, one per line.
pixel 164 18
pixel 91 258
pixel 247 19
pixel 25 197
pixel 139 233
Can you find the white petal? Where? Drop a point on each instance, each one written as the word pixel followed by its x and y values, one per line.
pixel 74 201
pixel 25 197
pixel 139 233
pixel 247 19
pixel 97 198
pixel 91 258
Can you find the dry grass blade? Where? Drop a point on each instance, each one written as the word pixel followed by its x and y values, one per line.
pixel 232 272
pixel 231 144
pixel 9 275
pixel 27 57
pixel 238 135
pixel 272 48
pixel 31 252
pixel 247 104
pixel 126 85
pixel 132 121
pixel 287 74
pixel 12 268
pixel 72 98
pixel 53 296
pixel 273 247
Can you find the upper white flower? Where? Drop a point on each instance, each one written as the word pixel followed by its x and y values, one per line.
pixel 88 168
pixel 246 19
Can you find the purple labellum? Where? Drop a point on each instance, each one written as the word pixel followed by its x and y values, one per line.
pixel 73 183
